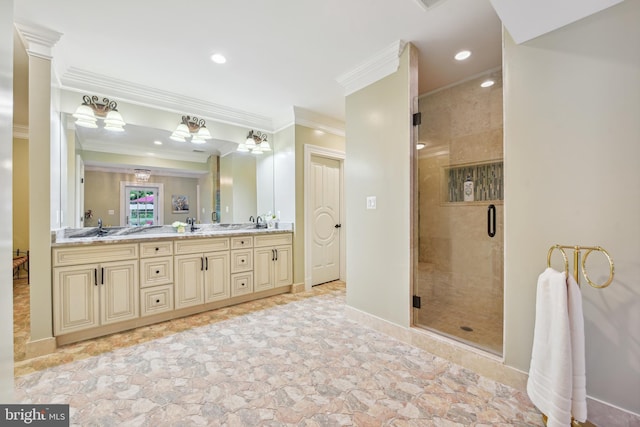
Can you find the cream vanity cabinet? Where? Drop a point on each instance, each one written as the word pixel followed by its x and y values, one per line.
pixel 202 271
pixel 273 261
pixel 94 285
pixel 156 277
pixel 241 265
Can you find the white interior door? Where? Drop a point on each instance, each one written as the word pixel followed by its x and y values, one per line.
pixel 325 228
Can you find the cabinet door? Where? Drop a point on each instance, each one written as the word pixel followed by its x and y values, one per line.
pixel 283 266
pixel 75 298
pixel 189 280
pixel 263 260
pixel 119 291
pixel 217 283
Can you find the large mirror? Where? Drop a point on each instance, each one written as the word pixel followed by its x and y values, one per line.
pixel 141 176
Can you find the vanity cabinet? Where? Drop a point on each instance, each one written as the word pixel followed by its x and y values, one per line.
pixel 156 277
pixel 89 294
pixel 202 271
pixel 105 287
pixel 273 261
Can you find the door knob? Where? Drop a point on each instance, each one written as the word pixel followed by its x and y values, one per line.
pixel 338 226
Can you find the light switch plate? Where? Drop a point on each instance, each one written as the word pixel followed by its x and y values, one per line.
pixel 371 202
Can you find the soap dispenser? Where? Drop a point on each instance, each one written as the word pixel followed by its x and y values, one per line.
pixel 468 189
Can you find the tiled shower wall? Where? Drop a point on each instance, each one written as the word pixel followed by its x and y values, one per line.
pixel 460 277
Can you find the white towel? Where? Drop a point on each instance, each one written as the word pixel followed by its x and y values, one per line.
pixel 556 383
pixel 576 322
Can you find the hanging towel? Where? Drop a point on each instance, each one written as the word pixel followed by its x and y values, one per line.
pixel 576 324
pixel 556 383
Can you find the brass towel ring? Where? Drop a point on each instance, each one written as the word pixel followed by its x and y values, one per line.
pixel 611 268
pixel 564 256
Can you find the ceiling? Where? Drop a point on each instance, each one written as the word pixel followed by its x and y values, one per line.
pixel 280 54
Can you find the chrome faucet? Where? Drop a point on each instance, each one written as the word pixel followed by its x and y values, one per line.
pixel 101 231
pixel 258 221
pixel 192 221
pixel 251 219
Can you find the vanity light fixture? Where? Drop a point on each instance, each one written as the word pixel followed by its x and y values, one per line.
pixel 88 113
pixel 256 142
pixel 142 174
pixel 191 127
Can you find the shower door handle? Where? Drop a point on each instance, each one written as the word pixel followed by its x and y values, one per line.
pixel 491 220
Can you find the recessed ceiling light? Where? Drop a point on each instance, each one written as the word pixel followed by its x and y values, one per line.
pixel 462 55
pixel 487 83
pixel 157 142
pixel 218 58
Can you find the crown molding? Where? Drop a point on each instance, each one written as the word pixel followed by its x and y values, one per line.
pixel 105 147
pixel 20 131
pixel 380 65
pixel 78 80
pixel 314 120
pixel 38 41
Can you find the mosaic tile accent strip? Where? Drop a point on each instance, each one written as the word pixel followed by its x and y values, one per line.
pixel 487 182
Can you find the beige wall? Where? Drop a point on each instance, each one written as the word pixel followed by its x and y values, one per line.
pixel 307 136
pixel 102 193
pixel 378 163
pixel 20 194
pixel 238 198
pixel 572 103
pixel 208 187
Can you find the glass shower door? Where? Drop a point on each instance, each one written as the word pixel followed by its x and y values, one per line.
pixel 459 268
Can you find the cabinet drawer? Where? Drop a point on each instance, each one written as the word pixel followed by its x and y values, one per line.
pixel 272 240
pixel 191 246
pixel 241 284
pixel 151 249
pixel 241 242
pixel 94 253
pixel 241 260
pixel 156 271
pixel 157 299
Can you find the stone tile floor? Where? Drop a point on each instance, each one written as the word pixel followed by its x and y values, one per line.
pixel 291 360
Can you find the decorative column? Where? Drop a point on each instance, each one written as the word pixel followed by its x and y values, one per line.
pixel 38 43
pixel 6 177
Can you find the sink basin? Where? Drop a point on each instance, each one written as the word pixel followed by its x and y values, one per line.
pixel 95 232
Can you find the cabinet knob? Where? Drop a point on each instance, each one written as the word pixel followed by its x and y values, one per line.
pixel 241 260
pixel 157 301
pixel 157 249
pixel 157 271
pixel 242 285
pixel 242 242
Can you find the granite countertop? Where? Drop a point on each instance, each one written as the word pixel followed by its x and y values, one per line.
pixel 89 235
